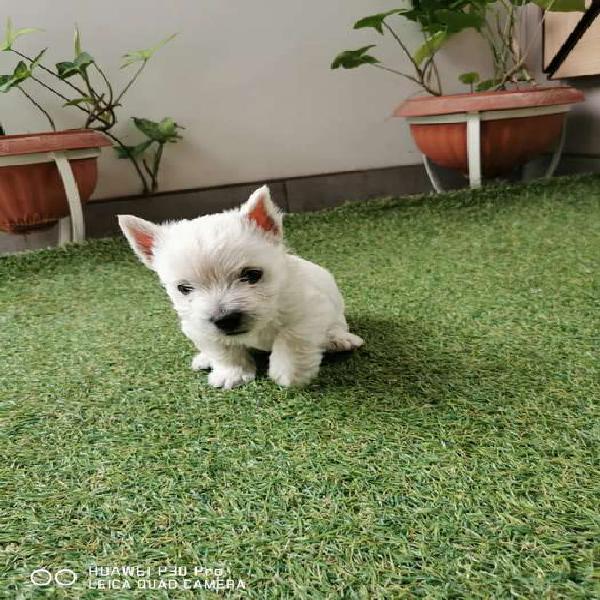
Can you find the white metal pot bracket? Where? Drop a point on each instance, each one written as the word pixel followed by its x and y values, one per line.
pixel 473 124
pixel 71 228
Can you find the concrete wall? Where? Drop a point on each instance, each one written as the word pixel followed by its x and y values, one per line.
pixel 250 81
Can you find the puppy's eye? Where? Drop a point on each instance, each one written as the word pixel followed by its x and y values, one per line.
pixel 251 276
pixel 185 288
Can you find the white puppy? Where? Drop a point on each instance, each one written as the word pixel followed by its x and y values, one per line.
pixel 235 287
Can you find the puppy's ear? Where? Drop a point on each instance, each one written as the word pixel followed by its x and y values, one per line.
pixel 262 211
pixel 141 235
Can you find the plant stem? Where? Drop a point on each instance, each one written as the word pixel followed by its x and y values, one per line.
pixel 506 34
pixel 156 166
pixel 431 67
pixel 110 104
pixel 81 92
pixel 51 89
pixel 404 49
pixel 107 82
pixel 100 107
pixel 437 75
pixel 95 110
pixel 146 188
pixel 39 107
pixel 489 38
pixel 63 97
pixel 520 65
pixel 131 82
pixel 50 71
pixel 147 168
pixel 410 77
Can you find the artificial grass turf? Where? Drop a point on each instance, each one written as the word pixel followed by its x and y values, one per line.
pixel 456 455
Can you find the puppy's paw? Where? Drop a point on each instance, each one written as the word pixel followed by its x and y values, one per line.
pixel 230 377
pixel 343 342
pixel 287 377
pixel 200 362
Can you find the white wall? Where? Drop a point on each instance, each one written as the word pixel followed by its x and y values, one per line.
pixel 250 81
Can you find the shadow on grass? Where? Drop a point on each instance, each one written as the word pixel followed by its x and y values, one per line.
pixel 401 359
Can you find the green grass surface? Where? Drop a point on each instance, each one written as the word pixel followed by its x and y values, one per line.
pixel 455 456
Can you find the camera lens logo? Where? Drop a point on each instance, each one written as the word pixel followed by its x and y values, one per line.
pixel 62 578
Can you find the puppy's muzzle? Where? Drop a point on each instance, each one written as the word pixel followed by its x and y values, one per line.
pixel 230 323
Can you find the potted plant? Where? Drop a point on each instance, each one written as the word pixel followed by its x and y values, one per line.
pixel 505 119
pixel 32 183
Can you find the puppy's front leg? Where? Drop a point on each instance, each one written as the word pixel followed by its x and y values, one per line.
pixel 231 366
pixel 293 361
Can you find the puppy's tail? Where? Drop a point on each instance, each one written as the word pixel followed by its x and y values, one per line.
pixel 343 341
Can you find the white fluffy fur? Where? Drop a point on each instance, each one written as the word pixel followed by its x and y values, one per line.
pixel 295 311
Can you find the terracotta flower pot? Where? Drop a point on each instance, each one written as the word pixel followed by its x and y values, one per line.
pixel 515 125
pixel 33 195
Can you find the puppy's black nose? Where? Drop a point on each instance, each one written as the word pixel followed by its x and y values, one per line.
pixel 230 322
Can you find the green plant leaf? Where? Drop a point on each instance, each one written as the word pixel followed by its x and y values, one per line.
pixel 144 55
pixel 122 152
pixel 431 46
pixel 77 41
pixel 376 21
pixel 487 84
pixel 20 74
pixel 67 69
pixel 78 101
pixel 350 59
pixel 133 151
pixel 168 129
pixel 11 34
pixel 162 132
pixel 469 78
pixel 148 128
pixel 561 5
pixel 455 21
pixel 6 83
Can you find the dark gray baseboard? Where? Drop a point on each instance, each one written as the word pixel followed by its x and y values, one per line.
pixel 297 194
pixel 572 164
